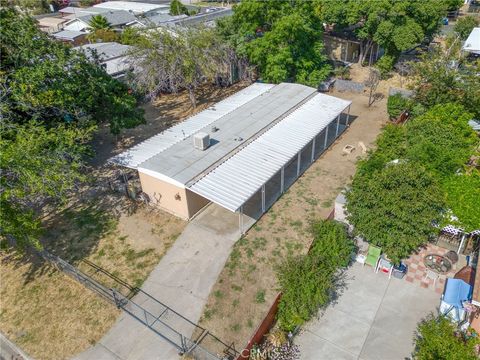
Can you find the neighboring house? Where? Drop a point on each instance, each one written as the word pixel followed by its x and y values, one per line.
pixel 472 44
pixel 241 153
pixel 118 19
pixel 208 17
pixel 50 24
pixel 113 57
pixel 136 8
pixel 71 37
pixel 159 19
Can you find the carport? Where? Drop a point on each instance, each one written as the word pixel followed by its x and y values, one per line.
pixel 252 179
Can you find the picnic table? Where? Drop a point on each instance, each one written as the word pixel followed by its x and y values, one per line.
pixel 437 263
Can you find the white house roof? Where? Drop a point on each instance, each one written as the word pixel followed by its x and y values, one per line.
pixel 105 51
pixel 159 143
pixel 239 177
pixel 68 35
pixel 136 8
pixel 472 44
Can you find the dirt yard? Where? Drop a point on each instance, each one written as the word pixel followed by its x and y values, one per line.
pixel 51 316
pixel 247 285
pixel 160 114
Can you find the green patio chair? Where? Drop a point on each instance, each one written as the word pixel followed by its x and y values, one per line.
pixel 373 256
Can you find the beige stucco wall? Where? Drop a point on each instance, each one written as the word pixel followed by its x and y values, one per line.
pixel 176 200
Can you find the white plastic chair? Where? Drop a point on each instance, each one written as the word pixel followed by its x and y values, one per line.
pixel 431 275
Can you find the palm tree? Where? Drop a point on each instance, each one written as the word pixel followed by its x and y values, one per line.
pixel 99 22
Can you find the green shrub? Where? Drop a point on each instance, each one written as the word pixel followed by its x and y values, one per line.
pixel 396 104
pixel 465 25
pixel 307 282
pixel 385 65
pixel 177 8
pixel 332 242
pixel 437 339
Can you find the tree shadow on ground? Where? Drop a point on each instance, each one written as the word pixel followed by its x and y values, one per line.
pixel 72 234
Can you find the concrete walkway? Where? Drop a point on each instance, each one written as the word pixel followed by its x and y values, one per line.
pixel 182 280
pixel 374 318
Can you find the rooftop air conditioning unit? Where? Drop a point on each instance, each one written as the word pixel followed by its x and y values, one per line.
pixel 201 141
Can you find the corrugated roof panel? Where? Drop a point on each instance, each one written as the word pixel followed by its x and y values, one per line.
pixel 243 174
pixel 160 142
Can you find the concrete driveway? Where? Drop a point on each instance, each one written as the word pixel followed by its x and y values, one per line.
pixel 374 318
pixel 182 280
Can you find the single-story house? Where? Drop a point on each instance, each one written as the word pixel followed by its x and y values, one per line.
pixel 159 19
pixel 135 8
pixel 113 56
pixel 241 153
pixel 206 17
pixel 50 24
pixel 472 44
pixel 71 37
pixel 118 19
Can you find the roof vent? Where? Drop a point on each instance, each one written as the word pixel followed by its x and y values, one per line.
pixel 201 141
pixel 214 128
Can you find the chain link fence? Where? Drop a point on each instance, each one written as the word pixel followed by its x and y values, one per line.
pixel 183 334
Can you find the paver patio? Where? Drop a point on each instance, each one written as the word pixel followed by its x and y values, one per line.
pixel 374 318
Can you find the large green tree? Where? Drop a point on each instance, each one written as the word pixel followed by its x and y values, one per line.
pixel 282 38
pixel 438 339
pixel 439 81
pixel 394 207
pixel 394 25
pixel 441 139
pixel 47 80
pixel 463 198
pixel 52 97
pixel 37 163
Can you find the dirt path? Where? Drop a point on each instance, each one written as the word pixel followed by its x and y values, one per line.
pixel 247 285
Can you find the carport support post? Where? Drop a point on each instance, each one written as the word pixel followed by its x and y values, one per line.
pixel 348 115
pixel 263 198
pixel 299 158
pixel 338 125
pixel 326 137
pixel 240 220
pixel 282 180
pixel 313 149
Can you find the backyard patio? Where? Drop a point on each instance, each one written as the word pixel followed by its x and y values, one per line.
pixel 374 318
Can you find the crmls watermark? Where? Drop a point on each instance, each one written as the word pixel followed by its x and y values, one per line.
pixel 267 351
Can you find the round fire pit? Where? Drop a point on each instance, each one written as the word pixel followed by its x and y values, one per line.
pixel 437 263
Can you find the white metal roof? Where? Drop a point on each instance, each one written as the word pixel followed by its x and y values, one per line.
pixel 234 181
pixel 138 8
pixel 472 44
pixel 158 143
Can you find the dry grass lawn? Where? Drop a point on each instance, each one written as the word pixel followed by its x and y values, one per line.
pixel 247 285
pixel 51 316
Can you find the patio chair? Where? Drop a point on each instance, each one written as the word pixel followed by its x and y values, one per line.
pixel 373 256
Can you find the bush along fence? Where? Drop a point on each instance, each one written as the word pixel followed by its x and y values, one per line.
pixel 307 284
